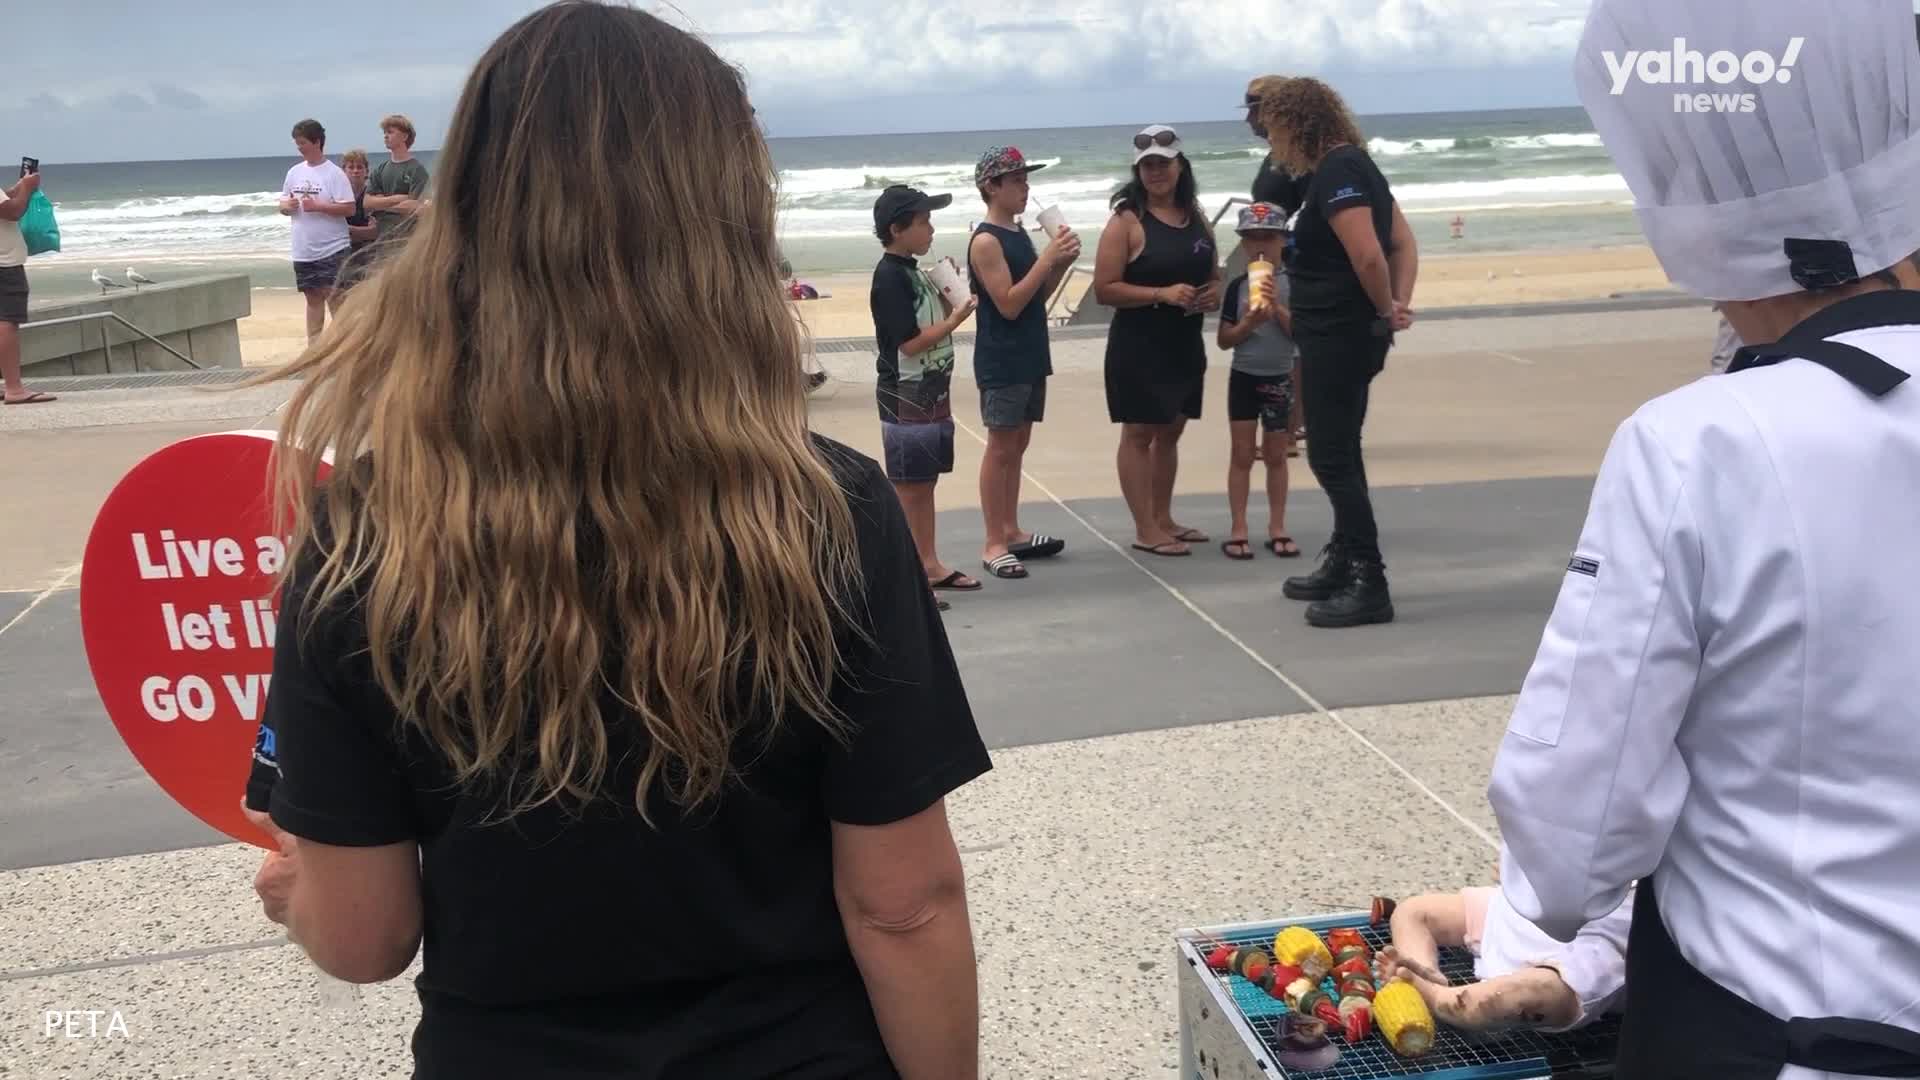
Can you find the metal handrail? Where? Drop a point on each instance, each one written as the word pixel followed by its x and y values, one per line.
pixel 107 346
pixel 1237 200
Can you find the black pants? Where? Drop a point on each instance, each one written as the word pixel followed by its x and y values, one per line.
pixel 1338 369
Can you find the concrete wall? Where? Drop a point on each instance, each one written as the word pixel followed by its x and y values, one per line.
pixel 197 316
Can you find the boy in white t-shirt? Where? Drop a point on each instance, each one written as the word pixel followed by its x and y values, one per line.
pixel 319 198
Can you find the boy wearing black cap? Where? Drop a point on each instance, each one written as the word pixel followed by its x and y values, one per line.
pixel 913 333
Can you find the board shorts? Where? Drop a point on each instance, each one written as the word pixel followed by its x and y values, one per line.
pixel 321 273
pixel 917 453
pixel 1266 398
pixel 1007 408
pixel 13 294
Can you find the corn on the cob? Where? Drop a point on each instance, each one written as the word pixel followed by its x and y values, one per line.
pixel 1402 1017
pixel 1297 946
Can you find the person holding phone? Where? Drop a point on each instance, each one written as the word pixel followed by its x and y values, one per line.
pixel 13 284
pixel 1352 273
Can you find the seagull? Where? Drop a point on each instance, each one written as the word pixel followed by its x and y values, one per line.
pixel 139 278
pixel 104 281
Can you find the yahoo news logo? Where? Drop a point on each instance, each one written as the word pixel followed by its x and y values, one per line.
pixel 1682 66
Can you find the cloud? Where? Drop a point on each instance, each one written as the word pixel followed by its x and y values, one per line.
pixel 128 101
pixel 176 97
pixel 805 51
pixel 45 103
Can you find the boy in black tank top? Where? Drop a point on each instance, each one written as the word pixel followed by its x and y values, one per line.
pixel 1011 357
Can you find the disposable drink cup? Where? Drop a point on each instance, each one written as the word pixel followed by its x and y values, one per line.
pixel 1052 221
pixel 1259 284
pixel 947 278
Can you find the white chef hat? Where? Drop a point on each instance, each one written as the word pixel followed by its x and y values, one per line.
pixel 1829 155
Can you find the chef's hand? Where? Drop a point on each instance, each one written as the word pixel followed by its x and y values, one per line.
pixel 1402 317
pixel 273 883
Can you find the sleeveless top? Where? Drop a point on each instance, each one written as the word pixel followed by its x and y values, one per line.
pixel 1165 334
pixel 1009 352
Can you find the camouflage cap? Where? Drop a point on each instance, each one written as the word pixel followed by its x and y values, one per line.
pixel 1001 161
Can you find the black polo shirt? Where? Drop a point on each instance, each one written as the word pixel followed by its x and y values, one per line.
pixel 599 947
pixel 1327 294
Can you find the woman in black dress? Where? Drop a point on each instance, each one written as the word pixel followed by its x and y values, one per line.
pixel 1352 273
pixel 1157 268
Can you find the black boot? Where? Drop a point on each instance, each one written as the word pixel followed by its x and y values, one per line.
pixel 1362 600
pixel 1325 580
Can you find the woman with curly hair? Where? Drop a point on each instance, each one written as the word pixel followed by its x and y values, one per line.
pixel 1352 273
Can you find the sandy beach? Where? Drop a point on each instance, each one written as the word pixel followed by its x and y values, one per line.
pixel 276 331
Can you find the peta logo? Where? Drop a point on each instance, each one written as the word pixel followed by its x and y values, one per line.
pixel 1688 67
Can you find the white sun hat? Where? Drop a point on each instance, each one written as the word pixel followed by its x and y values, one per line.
pixel 1740 127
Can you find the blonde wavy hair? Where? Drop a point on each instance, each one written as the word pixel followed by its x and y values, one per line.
pixel 568 418
pixel 1305 118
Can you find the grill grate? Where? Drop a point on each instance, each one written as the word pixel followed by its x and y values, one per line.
pixel 1456 1055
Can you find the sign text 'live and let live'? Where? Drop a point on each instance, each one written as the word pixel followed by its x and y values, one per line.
pixel 170 557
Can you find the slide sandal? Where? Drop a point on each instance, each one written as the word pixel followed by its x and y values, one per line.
pixel 1006 566
pixel 1040 547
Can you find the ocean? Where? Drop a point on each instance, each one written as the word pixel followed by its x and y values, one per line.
pixel 1525 179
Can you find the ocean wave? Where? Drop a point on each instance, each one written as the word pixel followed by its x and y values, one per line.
pixel 170 206
pixel 803 182
pixel 1523 189
pixel 1447 145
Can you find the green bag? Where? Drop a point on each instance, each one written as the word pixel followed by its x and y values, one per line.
pixel 38 227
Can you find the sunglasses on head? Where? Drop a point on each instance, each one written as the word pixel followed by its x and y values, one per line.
pixel 1158 138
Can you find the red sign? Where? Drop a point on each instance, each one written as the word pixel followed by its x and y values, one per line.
pixel 178 610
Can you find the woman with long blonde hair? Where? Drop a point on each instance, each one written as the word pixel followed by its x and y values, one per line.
pixel 597 672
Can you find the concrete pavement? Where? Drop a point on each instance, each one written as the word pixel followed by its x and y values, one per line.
pixel 1132 793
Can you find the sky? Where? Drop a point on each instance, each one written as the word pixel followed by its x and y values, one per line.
pixel 127 80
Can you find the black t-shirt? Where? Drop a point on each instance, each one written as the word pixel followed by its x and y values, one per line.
pixel 910 389
pixel 1273 184
pixel 711 947
pixel 1326 291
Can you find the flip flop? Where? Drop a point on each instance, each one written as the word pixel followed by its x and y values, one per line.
pixel 942 605
pixel 34 398
pixel 1284 547
pixel 953 580
pixel 1040 547
pixel 1006 566
pixel 1246 550
pixel 1190 535
pixel 1156 549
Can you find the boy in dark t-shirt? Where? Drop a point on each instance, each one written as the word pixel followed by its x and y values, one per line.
pixel 913 333
pixel 1011 354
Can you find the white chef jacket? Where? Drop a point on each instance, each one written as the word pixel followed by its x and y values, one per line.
pixel 1728 691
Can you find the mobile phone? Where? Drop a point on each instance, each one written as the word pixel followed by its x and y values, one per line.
pixel 29 165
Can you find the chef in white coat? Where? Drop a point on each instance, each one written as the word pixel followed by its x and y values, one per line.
pixel 1725 705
